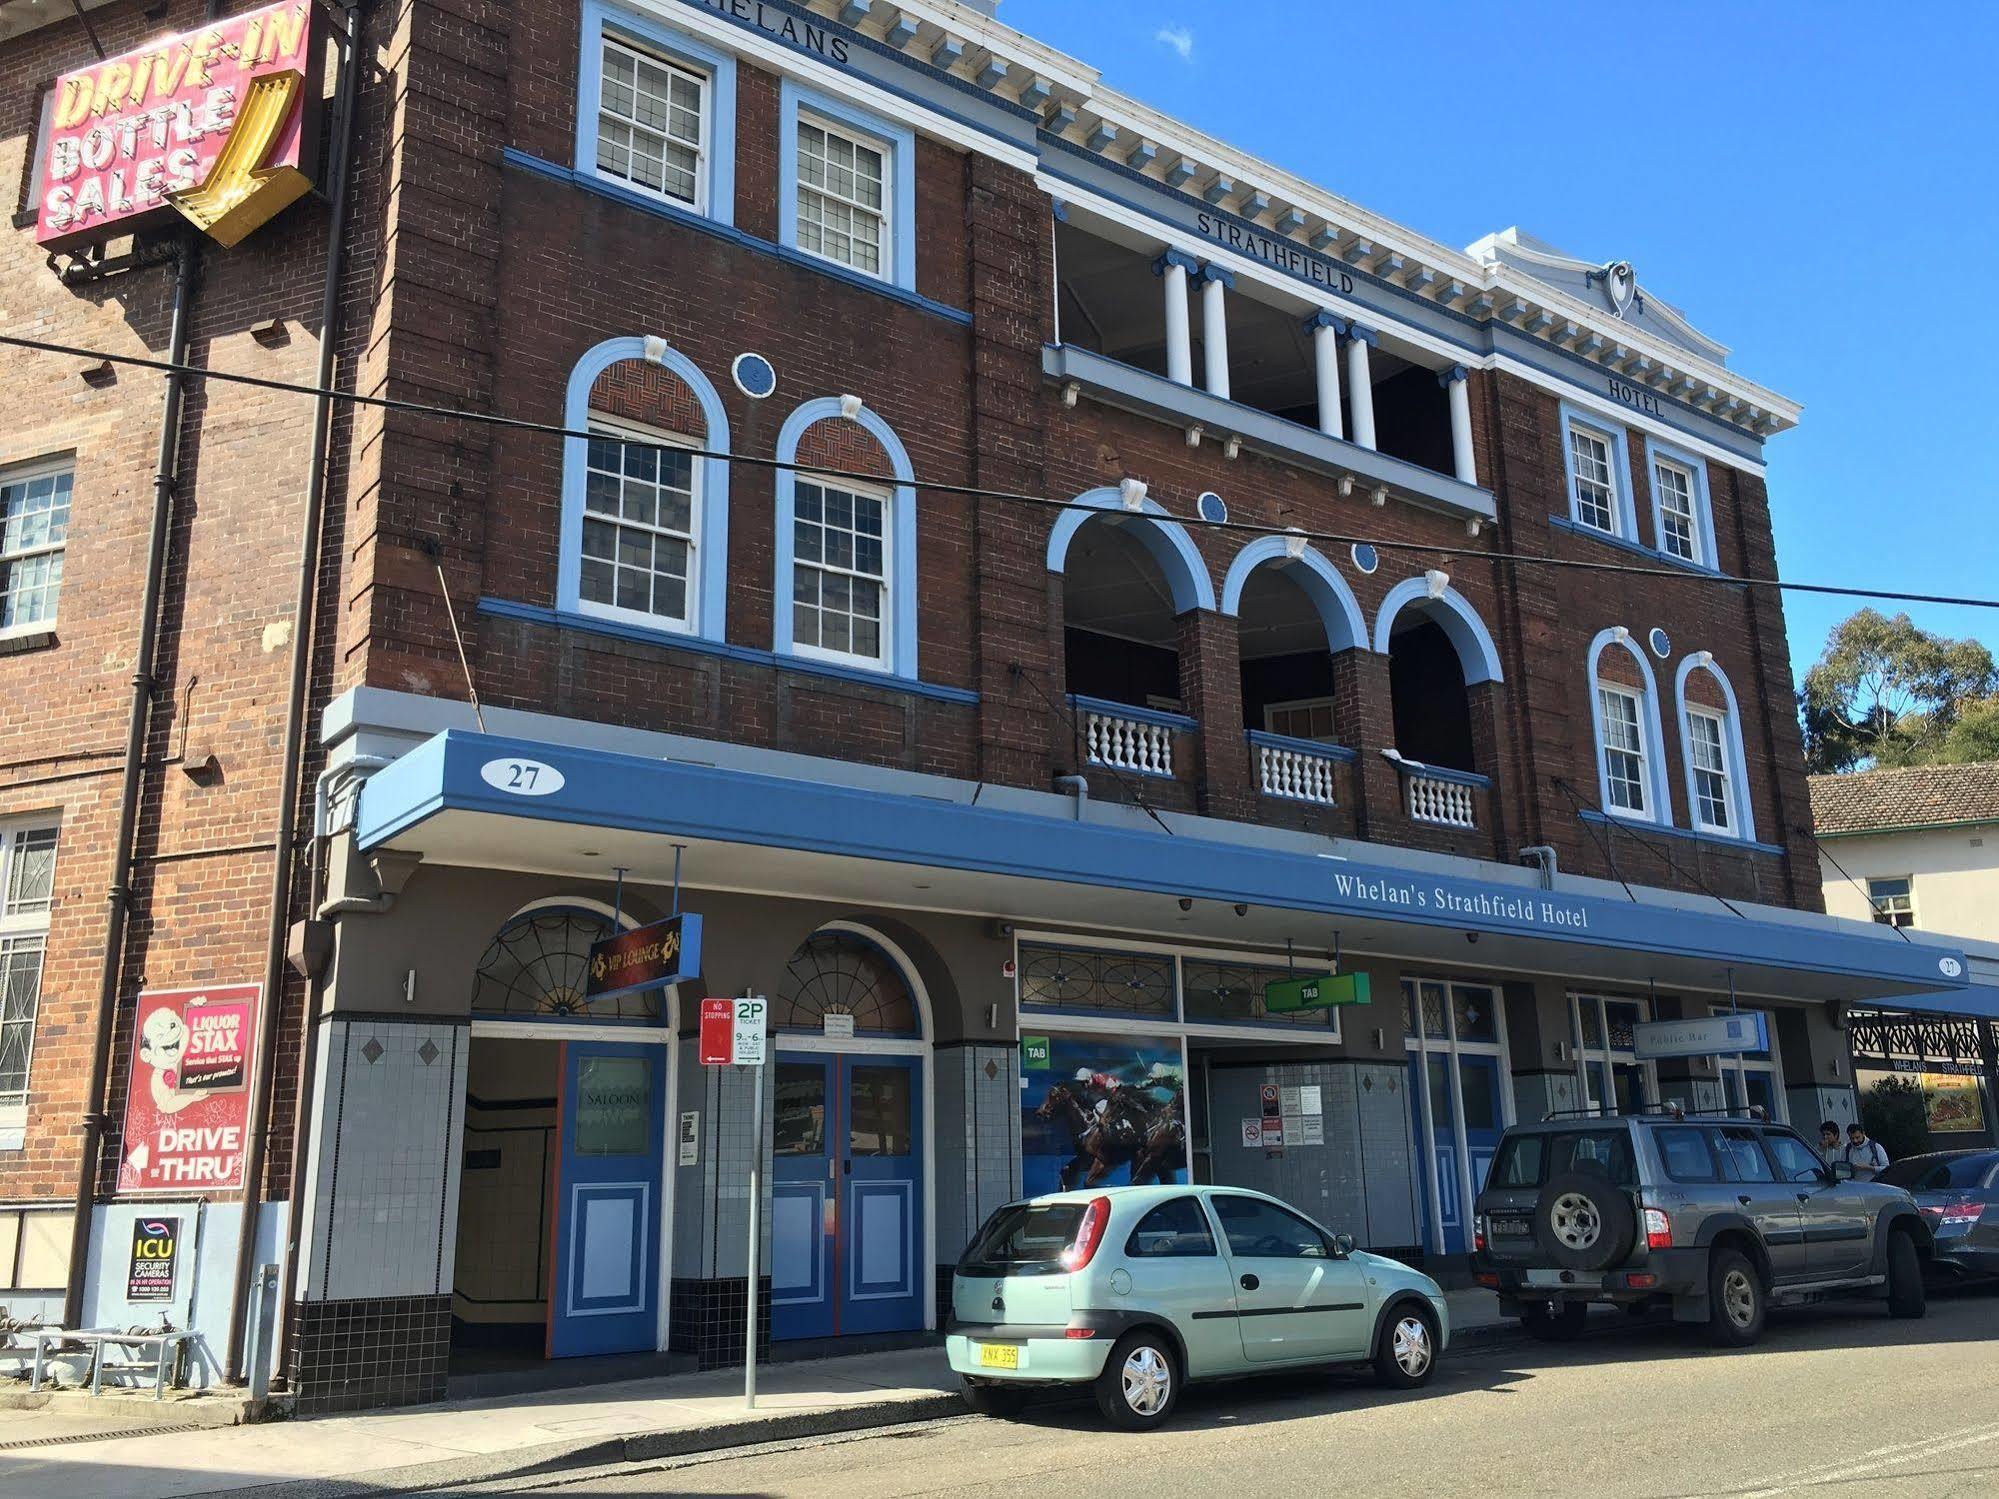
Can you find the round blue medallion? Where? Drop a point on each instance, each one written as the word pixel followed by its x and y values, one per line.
pixel 1365 557
pixel 1211 508
pixel 754 376
pixel 1661 643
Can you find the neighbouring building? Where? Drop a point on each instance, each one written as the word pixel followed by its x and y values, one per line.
pixel 1918 849
pixel 1047 599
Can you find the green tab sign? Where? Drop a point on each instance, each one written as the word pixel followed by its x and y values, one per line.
pixel 1321 992
pixel 1033 1053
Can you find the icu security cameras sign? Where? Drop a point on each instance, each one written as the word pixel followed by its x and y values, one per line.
pixel 218 125
pixel 732 1032
pixel 187 1094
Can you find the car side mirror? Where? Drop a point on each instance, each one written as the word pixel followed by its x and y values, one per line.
pixel 1343 1246
pixel 1842 1171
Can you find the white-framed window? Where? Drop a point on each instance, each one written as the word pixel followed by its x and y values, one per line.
pixel 1593 482
pixel 1626 761
pixel 641 517
pixel 1894 900
pixel 1753 1079
pixel 653 124
pixel 1677 493
pixel 34 535
pixel 1612 1078
pixel 27 891
pixel 1714 778
pixel 1301 718
pixel 840 572
pixel 844 187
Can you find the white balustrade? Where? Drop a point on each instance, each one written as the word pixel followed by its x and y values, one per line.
pixel 1296 775
pixel 1128 744
pixel 1450 804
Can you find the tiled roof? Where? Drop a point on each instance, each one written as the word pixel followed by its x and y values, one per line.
pixel 1922 796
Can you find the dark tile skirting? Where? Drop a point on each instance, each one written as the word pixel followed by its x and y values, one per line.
pixel 377 1351
pixel 705 1318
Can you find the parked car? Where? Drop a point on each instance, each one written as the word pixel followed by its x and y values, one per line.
pixel 1719 1217
pixel 1134 1291
pixel 1958 1193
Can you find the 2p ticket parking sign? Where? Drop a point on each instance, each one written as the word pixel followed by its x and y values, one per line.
pixel 733 1032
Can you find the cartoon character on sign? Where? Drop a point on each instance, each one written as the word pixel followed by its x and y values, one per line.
pixel 162 1047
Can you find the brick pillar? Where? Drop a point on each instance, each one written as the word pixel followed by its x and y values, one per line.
pixel 1485 700
pixel 1211 688
pixel 1364 710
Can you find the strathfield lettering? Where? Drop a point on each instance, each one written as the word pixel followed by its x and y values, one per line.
pixel 802 34
pixel 1484 905
pixel 1292 259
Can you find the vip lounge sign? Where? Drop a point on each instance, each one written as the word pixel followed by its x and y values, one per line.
pixel 646 957
pixel 187 1094
pixel 218 125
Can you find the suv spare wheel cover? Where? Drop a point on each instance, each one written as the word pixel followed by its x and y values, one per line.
pixel 1584 1221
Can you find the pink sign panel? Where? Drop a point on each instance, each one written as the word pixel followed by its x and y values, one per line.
pixel 188 1098
pixel 128 134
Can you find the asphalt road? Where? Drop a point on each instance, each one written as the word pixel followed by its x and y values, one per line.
pixel 1835 1401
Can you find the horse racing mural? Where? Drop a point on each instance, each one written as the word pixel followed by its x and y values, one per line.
pixel 1101 1112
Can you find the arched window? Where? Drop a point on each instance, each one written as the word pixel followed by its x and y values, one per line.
pixel 645 517
pixel 1630 749
pixel 1438 649
pixel 537 968
pixel 1711 740
pixel 838 972
pixel 846 549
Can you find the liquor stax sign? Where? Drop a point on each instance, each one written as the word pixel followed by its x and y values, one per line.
pixel 187 1097
pixel 218 125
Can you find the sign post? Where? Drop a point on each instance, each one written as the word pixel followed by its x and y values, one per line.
pixel 733 1035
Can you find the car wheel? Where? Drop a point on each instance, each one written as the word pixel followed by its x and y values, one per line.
pixel 1547 1322
pixel 1585 1221
pixel 1406 1355
pixel 1736 1300
pixel 993 1399
pixel 1906 1294
pixel 1141 1382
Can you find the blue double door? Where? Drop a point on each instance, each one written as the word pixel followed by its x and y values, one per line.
pixel 847 1241
pixel 1450 1140
pixel 605 1290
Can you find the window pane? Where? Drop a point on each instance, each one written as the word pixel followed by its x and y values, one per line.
pixel 1686 1155
pixel 1263 1230
pixel 31 873
pixel 1173 1230
pixel 1742 1158
pixel 613 1106
pixel 1476 1013
pixel 1065 978
pixel 649 123
pixel 1595 498
pixel 878 1111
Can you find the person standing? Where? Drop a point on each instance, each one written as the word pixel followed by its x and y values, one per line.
pixel 1865 1156
pixel 1829 1143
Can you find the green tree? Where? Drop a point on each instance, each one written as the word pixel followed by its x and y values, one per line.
pixel 1886 693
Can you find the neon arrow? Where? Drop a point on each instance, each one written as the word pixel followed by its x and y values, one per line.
pixel 241 193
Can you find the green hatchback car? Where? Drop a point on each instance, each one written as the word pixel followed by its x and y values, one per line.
pixel 1134 1291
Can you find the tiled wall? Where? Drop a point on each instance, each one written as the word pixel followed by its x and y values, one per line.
pixel 977 1140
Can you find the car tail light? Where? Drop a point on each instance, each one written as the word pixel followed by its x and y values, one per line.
pixel 1079 1333
pixel 1641 1280
pixel 1487 1279
pixel 1478 1237
pixel 1658 1229
pixel 1089 1234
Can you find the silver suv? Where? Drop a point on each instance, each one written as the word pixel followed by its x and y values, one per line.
pixel 1719 1217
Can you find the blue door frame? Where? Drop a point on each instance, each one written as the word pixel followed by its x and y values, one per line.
pixel 604 1297
pixel 1437 1149
pixel 847 1208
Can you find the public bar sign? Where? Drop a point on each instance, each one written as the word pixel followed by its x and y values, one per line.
pixel 218 125
pixel 646 957
pixel 1705 1036
pixel 187 1094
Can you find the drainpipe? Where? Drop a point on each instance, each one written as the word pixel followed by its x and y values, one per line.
pixel 1543 857
pixel 118 894
pixel 1078 787
pixel 296 706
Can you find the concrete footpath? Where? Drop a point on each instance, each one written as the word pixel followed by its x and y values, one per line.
pixel 420 1448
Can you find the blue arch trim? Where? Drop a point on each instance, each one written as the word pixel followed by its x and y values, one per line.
pixel 901 580
pixel 1339 610
pixel 1661 810
pixel 1473 641
pixel 711 542
pixel 1738 761
pixel 1163 537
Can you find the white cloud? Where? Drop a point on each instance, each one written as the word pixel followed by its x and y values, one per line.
pixel 1179 38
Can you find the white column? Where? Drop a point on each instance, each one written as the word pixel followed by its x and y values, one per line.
pixel 1360 385
pixel 1326 331
pixel 1172 268
pixel 1455 380
pixel 1216 284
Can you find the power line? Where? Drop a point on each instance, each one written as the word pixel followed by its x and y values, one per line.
pixel 971 491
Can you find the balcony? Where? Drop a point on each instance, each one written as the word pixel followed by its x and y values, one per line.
pixel 1438 797
pixel 1298 770
pixel 1120 737
pixel 1133 389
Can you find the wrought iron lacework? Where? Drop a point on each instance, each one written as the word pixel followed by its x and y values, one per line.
pixel 839 973
pixel 1888 1035
pixel 538 964
pixel 1224 993
pixel 1074 978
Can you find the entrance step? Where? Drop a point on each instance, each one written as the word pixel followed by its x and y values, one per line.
pixel 477 1378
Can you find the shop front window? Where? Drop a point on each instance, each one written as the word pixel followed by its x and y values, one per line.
pixel 1084 981
pixel 1612 1078
pixel 1219 993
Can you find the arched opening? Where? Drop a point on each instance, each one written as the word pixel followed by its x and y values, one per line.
pixel 1717 769
pixel 1428 690
pixel 1630 748
pixel 841 974
pixel 642 496
pixel 1288 671
pixel 1121 635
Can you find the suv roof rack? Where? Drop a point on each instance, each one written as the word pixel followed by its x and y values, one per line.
pixel 1754 1113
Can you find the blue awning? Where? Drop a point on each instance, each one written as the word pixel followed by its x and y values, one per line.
pixel 468 798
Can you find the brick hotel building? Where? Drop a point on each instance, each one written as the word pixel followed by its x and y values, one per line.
pixel 982 794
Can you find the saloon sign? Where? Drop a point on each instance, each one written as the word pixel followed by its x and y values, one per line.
pixel 187 1096
pixel 216 125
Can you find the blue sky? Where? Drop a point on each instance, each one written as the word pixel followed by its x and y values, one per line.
pixel 1812 184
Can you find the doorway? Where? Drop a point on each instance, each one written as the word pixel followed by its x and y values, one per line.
pixel 1459 1100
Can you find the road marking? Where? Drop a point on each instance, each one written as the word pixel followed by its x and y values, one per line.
pixel 1876 1461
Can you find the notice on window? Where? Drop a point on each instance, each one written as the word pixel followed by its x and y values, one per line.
pixel 187 1096
pixel 1310 1100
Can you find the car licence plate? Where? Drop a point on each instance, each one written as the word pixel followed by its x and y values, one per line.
pixel 999 1355
pixel 1569 1279
pixel 1512 1227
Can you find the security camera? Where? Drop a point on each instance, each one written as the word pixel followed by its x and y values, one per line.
pixel 1472 937
pixel 1241 908
pixel 1186 903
